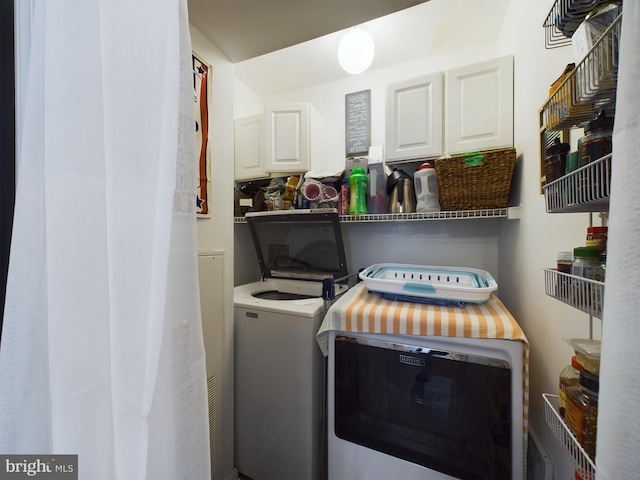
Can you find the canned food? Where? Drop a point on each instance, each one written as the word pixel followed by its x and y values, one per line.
pixel 597 237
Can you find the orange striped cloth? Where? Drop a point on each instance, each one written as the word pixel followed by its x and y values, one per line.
pixel 357 310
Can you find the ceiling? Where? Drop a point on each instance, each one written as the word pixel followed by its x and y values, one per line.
pixel 245 29
pixel 281 46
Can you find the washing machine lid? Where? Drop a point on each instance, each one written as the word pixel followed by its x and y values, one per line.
pixel 302 244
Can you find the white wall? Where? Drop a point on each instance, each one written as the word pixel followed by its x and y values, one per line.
pixel 528 247
pixel 454 243
pixel 515 251
pixel 245 101
pixel 216 232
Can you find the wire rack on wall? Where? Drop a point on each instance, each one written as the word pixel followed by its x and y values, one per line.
pixel 590 87
pixel 413 217
pixel 582 293
pixel 564 18
pixel 586 189
pixel 584 465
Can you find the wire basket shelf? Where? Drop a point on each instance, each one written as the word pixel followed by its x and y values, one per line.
pixel 590 87
pixel 419 216
pixel 586 189
pixel 583 463
pixel 582 293
pixel 564 18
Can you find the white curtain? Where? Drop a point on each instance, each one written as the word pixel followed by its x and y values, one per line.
pixel 618 446
pixel 102 352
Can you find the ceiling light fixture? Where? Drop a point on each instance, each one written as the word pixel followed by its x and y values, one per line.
pixel 356 49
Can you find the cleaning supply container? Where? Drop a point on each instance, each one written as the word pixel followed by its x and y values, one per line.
pixel 426 186
pixel 377 198
pixel 358 190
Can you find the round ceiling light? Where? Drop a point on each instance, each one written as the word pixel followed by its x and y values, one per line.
pixel 355 52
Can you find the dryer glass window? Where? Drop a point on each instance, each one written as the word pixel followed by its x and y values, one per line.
pixel 446 411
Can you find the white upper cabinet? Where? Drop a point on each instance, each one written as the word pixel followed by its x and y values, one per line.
pixel 479 106
pixel 249 148
pixel 414 118
pixel 293 135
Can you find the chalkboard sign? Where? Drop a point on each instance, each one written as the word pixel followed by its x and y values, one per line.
pixel 358 122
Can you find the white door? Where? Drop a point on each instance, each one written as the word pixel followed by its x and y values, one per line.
pixel 249 148
pixel 479 106
pixel 414 118
pixel 287 137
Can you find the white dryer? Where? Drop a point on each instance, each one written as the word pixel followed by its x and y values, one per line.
pixel 279 394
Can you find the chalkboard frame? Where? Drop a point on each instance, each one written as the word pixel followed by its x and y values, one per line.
pixel 357 138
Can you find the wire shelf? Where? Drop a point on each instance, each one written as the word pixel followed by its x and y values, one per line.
pixel 597 74
pixel 582 293
pixel 412 217
pixel 564 18
pixel 586 189
pixel 583 463
pixel 590 87
pixel 444 215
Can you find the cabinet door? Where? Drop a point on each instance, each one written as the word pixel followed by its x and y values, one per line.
pixel 249 151
pixel 479 106
pixel 287 137
pixel 414 118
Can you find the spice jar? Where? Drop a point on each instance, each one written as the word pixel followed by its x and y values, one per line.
pixel 593 146
pixel 585 259
pixel 582 411
pixel 587 264
pixel 596 142
pixel 597 237
pixel 569 377
pixel 564 261
pixel 570 193
pixel 572 162
pixel 598 271
pixel 556 160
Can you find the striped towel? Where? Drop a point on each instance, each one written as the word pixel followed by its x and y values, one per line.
pixel 361 311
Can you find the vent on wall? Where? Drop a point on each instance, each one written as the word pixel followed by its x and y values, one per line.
pixel 211 395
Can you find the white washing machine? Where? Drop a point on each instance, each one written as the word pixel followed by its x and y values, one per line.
pixel 279 433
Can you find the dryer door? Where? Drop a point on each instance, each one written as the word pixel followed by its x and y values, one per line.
pixel 446 411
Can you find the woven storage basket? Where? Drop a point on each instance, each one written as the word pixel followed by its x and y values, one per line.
pixel 475 181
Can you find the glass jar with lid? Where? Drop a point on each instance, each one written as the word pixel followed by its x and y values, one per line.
pixel 597 237
pixel 556 160
pixel 587 264
pixel 569 377
pixel 596 142
pixel 582 411
pixel 564 263
pixel 595 145
pixel 586 261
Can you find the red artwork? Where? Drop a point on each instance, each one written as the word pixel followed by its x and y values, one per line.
pixel 200 97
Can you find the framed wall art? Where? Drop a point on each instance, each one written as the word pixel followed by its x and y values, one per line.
pixel 202 77
pixel 358 123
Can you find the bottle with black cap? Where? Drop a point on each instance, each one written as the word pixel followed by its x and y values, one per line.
pixel 582 411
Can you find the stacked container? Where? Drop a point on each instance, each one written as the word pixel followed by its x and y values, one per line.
pixel 581 399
